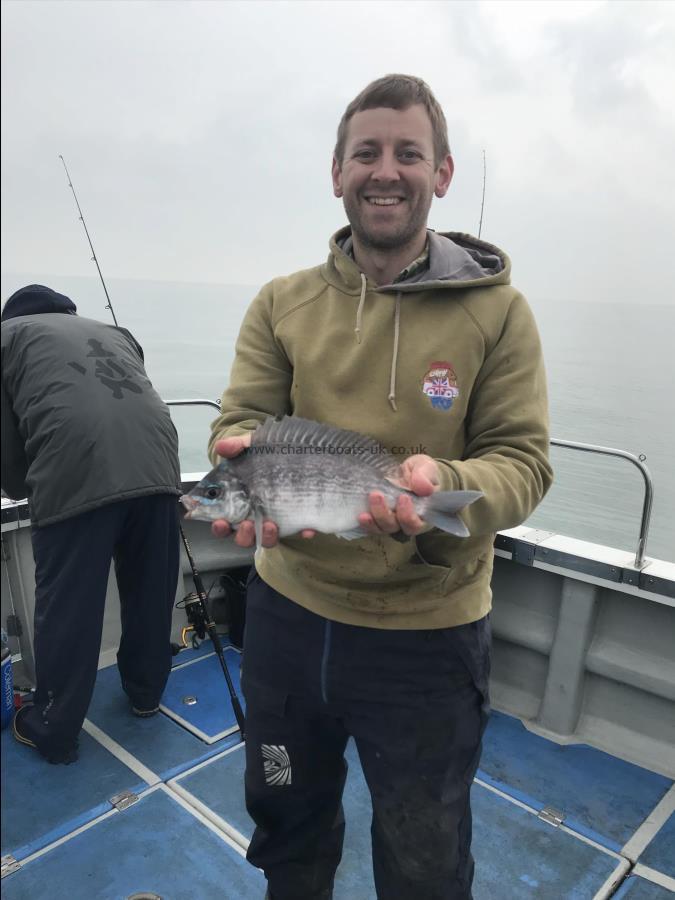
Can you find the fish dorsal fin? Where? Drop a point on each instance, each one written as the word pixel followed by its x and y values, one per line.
pixel 327 440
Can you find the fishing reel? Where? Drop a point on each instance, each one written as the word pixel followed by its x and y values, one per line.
pixel 197 623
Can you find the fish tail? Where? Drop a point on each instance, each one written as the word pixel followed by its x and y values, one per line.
pixel 443 507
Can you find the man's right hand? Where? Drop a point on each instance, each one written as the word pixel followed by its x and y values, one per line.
pixel 245 531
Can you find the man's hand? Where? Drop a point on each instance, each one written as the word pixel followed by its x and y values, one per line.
pixel 418 474
pixel 245 532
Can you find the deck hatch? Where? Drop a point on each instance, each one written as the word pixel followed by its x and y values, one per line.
pixel 552 816
pixel 196 696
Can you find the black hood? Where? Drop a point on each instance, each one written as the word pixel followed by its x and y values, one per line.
pixel 36 298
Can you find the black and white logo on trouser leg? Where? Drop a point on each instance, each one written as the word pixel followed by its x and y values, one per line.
pixel 276 763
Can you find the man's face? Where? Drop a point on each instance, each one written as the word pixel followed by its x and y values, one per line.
pixel 388 176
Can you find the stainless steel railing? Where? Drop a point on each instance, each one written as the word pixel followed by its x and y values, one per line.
pixel 648 493
pixel 571 445
pixel 214 403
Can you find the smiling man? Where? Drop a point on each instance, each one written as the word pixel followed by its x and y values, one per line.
pixel 387 169
pixel 417 339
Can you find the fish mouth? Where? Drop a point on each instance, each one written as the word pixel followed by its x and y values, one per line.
pixel 190 504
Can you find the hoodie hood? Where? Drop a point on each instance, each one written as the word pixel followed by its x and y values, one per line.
pixel 455 261
pixel 36 298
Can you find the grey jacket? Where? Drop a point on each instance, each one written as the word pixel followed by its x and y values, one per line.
pixel 82 425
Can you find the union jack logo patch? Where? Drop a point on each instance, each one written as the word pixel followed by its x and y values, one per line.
pixel 276 764
pixel 440 385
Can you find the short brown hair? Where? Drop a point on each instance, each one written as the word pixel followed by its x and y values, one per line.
pixel 397 92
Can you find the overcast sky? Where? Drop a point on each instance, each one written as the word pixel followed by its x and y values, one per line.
pixel 199 134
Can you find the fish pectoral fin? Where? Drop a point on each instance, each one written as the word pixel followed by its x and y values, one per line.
pixel 352 535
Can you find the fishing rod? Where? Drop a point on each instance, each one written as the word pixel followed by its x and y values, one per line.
pixel 482 202
pixel 198 614
pixel 197 609
pixel 84 225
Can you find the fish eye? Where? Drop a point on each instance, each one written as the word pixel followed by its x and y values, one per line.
pixel 212 493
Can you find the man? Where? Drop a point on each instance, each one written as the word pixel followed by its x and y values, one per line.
pixel 89 442
pixel 414 338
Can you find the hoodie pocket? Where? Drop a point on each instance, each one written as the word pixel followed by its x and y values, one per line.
pixel 441 573
pixel 453 575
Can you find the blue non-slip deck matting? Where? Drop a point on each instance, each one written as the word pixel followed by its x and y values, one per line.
pixel 203 680
pixel 601 796
pixel 161 744
pixel 635 888
pixel 43 802
pixel 517 855
pixel 659 854
pixel 155 846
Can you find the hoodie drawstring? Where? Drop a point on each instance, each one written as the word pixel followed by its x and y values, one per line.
pixel 359 311
pixel 394 358
pixel 397 328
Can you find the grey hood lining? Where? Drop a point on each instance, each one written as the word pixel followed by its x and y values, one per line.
pixel 448 261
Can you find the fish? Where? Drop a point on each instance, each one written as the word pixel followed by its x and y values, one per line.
pixel 310 475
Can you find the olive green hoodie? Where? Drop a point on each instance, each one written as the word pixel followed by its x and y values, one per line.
pixel 446 363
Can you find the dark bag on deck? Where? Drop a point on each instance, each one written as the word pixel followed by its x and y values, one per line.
pixel 233 584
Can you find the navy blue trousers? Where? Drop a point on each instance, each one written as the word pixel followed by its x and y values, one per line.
pixel 416 704
pixel 72 563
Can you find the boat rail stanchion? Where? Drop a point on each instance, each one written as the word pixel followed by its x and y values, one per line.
pixel 648 493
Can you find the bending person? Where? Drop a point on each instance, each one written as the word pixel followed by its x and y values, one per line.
pixel 92 446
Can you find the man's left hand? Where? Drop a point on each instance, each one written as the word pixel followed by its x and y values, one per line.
pixel 418 474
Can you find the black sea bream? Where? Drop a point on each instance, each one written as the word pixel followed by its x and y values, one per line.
pixel 303 474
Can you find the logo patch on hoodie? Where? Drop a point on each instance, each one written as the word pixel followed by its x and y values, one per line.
pixel 440 385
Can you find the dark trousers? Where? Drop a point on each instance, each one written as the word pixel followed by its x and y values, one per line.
pixel 416 704
pixel 72 563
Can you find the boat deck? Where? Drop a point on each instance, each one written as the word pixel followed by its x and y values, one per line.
pixel 184 833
